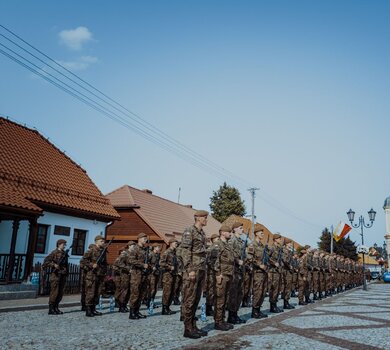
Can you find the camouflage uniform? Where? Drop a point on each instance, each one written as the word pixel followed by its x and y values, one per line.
pixel 137 259
pixel 169 267
pixel 224 266
pixel 260 277
pixel 236 291
pixel 123 267
pixel 193 255
pixel 212 253
pixel 154 276
pixel 94 277
pixel 274 276
pixel 287 275
pixel 57 277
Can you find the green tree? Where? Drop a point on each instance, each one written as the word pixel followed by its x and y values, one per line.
pixel 225 202
pixel 345 246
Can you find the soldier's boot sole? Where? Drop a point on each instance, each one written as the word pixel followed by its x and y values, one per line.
pixel 221 327
pixel 191 335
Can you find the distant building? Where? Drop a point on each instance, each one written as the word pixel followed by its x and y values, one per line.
pixel 247 225
pixel 44 196
pixel 142 211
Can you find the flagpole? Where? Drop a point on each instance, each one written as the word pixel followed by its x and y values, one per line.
pixel 331 239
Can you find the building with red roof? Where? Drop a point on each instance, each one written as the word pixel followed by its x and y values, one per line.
pixel 44 196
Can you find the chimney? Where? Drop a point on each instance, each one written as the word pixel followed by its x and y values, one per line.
pixel 147 191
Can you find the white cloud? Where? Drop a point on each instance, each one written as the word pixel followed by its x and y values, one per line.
pixel 81 64
pixel 74 39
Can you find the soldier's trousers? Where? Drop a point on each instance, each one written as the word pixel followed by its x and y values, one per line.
pixel 137 288
pixel 287 284
pixel 93 288
pixel 308 284
pixel 316 281
pixel 192 292
pixel 221 297
pixel 210 287
pixel 178 286
pixel 117 281
pixel 168 282
pixel 274 281
pixel 322 282
pixel 235 293
pixel 301 286
pixel 295 281
pixel 247 285
pixel 82 286
pixel 57 285
pixel 124 288
pixel 153 283
pixel 260 279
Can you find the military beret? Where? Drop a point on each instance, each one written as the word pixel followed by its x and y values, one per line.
pixel 225 228
pixel 287 240
pixel 129 243
pixel 98 237
pixel 60 241
pixel 306 247
pixel 237 224
pixel 276 236
pixel 258 228
pixel 142 235
pixel 200 213
pixel 172 240
pixel 214 236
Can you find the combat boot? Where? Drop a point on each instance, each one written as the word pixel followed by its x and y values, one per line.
pixel 255 312
pixel 201 332
pixel 133 315
pixel 190 333
pixel 176 301
pixel 139 314
pixel 287 305
pixel 262 315
pixel 52 310
pixel 274 309
pixel 209 310
pixel 231 318
pixel 221 327
pixel 293 294
pixel 95 313
pixel 83 307
pixel 238 319
pixel 315 296
pixel 57 310
pixel 167 311
pixel 88 311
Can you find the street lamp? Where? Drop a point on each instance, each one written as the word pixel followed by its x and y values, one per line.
pixel 362 225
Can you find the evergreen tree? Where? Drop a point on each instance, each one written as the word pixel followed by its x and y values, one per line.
pixel 345 246
pixel 225 202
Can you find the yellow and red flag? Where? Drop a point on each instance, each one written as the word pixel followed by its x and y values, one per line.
pixel 341 231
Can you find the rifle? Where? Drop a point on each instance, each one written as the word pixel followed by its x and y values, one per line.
pixel 103 253
pixel 266 253
pixel 243 252
pixel 65 256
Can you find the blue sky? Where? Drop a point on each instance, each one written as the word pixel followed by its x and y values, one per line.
pixel 290 95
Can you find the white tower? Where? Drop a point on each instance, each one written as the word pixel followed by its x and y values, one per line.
pixel 386 207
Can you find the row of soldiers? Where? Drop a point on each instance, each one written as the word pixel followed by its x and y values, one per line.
pixel 230 271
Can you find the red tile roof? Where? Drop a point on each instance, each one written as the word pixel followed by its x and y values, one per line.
pixel 165 217
pixel 247 224
pixel 34 172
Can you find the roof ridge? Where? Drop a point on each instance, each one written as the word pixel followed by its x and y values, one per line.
pixel 63 153
pixel 167 200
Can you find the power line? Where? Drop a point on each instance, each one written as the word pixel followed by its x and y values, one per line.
pixel 110 108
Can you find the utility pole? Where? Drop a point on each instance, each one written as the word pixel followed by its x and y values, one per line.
pixel 253 195
pixel 178 197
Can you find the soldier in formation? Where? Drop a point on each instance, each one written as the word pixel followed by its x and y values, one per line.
pixel 169 267
pixel 57 263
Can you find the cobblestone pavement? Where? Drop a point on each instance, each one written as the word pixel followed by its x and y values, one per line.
pixel 352 320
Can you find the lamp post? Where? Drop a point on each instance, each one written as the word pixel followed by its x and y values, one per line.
pixel 362 225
